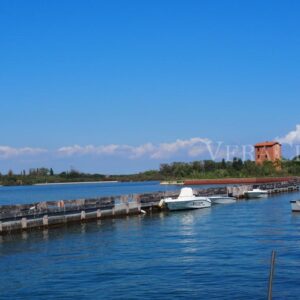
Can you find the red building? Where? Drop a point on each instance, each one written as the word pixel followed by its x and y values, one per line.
pixel 267 151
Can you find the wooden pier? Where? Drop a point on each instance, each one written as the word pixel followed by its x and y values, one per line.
pixel 242 181
pixel 274 188
pixel 56 213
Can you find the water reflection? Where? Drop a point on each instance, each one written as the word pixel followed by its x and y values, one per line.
pixel 190 232
pixel 24 235
pixel 83 228
pixel 187 219
pixel 46 234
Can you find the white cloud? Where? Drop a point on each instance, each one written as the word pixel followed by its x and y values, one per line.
pixel 292 137
pixel 89 149
pixel 192 147
pixel 141 150
pixel 112 149
pixel 7 152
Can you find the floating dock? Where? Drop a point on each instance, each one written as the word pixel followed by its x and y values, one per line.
pixel 42 215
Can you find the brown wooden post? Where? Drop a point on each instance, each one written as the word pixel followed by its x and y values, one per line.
pixel 271 275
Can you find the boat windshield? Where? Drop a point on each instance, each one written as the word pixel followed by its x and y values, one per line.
pixel 186 192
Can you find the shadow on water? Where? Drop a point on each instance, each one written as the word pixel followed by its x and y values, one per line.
pixel 106 226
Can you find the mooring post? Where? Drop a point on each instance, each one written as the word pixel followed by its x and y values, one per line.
pixel 24 223
pixel 45 220
pixel 272 269
pixel 98 213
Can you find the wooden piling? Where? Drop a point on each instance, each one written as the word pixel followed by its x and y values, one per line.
pixel 98 213
pixel 272 269
pixel 24 223
pixel 45 220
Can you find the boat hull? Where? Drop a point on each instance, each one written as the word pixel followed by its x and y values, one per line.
pixel 188 204
pixel 251 195
pixel 222 200
pixel 295 205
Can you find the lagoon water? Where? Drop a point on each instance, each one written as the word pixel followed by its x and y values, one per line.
pixel 37 193
pixel 217 253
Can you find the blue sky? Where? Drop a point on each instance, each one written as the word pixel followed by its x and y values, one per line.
pixel 111 86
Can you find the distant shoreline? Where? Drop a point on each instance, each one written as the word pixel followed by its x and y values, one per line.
pixel 75 182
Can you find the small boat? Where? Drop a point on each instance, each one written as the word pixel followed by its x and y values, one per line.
pixel 221 199
pixel 178 182
pixel 295 204
pixel 186 200
pixel 256 193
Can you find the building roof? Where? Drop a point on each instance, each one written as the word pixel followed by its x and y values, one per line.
pixel 266 144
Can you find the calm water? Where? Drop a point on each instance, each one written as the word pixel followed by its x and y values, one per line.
pixel 217 253
pixel 28 194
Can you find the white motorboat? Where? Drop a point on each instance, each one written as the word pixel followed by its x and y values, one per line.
pixel 186 200
pixel 256 193
pixel 295 205
pixel 221 199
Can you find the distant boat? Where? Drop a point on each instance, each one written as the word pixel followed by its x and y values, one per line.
pixel 221 199
pixel 295 205
pixel 256 193
pixel 186 200
pixel 178 182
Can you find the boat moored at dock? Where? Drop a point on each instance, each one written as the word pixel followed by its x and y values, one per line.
pixel 256 193
pixel 295 204
pixel 221 199
pixel 186 200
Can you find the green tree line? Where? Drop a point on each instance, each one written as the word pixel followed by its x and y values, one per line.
pixel 225 169
pixel 205 169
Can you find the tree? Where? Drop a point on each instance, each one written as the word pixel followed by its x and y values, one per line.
pixel 223 164
pixel 165 169
pixel 74 173
pixel 237 164
pixel 209 165
pixel 268 168
pixel 43 171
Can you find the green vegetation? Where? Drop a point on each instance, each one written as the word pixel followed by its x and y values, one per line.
pixel 206 169
pixel 237 168
pixel 45 175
